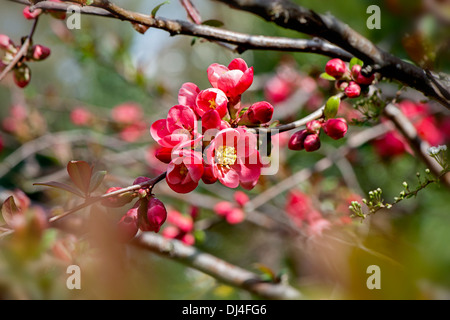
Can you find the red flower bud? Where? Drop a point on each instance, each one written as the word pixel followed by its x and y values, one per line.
pixel 183 223
pixel 31 15
pixel 297 139
pixel 119 200
pixel 336 128
pixel 341 84
pixel 356 71
pixel 22 76
pixel 127 226
pixel 314 126
pixel 6 43
pixel 223 208
pixel 311 142
pixel 335 68
pixel 39 52
pixel 364 80
pixel 156 215
pixel 235 216
pixel 241 198
pixel 260 112
pixel 353 90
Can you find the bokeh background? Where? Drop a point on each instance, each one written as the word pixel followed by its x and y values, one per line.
pixel 107 63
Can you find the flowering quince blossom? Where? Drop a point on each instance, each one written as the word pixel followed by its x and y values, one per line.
pixel 180 126
pixel 184 172
pixel 234 158
pixel 233 80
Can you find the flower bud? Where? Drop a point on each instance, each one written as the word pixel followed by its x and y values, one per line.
pixel 314 126
pixel 353 90
pixel 241 198
pixel 335 68
pixel 183 223
pixel 127 226
pixel 259 113
pixel 39 52
pixel 188 239
pixel 341 84
pixel 31 15
pixel 156 215
pixel 365 80
pixel 223 208
pixel 336 128
pixel 118 200
pixel 6 43
pixel 356 71
pixel 297 139
pixel 311 142
pixel 22 76
pixel 235 216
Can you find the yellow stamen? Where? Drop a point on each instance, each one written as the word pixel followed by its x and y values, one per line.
pixel 226 156
pixel 212 104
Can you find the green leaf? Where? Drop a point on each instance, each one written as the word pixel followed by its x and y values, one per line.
pixel 332 107
pixel 89 2
pixel 156 9
pixel 62 186
pixel 326 76
pixel 355 61
pixel 9 210
pixel 96 180
pixel 194 39
pixel 80 172
pixel 213 23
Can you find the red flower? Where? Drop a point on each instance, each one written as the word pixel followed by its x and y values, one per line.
pixel 233 80
pixel 180 126
pixel 211 99
pixel 234 158
pixel 187 95
pixel 184 172
pixel 353 90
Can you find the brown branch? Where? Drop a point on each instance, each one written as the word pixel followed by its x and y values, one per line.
pixel 409 132
pixel 215 267
pixel 292 16
pixel 242 41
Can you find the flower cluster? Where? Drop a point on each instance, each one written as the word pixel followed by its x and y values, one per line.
pixel 308 139
pixel 21 71
pixel 349 79
pixel 219 147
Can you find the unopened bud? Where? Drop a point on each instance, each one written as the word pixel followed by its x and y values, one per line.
pixel 353 90
pixel 335 68
pixel 312 142
pixel 39 52
pixel 335 128
pixel 22 76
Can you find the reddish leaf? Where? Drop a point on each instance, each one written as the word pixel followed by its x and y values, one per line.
pixel 80 172
pixel 9 209
pixel 62 186
pixel 96 180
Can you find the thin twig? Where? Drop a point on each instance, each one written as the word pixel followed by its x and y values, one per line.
pixel 22 51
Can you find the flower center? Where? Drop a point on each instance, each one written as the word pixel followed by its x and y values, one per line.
pixel 183 169
pixel 212 103
pixel 225 155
